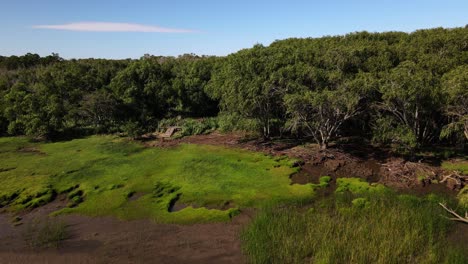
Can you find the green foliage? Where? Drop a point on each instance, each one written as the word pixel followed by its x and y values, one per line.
pixel 358 186
pixel 361 202
pixel 45 101
pixel 198 127
pixel 463 197
pixel 98 173
pixel 191 75
pixel 132 129
pixel 99 109
pixel 410 87
pixel 103 95
pixel 456 165
pixel 245 86
pixel 190 126
pixel 455 83
pixel 413 99
pixel 370 229
pixel 325 181
pixel 387 131
pixel 321 113
pixel 234 122
pixel 28 60
pixel 144 88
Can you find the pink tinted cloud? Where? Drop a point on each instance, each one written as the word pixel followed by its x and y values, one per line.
pixel 113 27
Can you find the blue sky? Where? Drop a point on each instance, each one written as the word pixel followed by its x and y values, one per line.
pixel 129 29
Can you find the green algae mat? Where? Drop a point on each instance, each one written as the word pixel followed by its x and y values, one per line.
pixel 107 175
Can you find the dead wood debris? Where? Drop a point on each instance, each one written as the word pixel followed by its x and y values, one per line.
pixel 403 173
pixel 456 217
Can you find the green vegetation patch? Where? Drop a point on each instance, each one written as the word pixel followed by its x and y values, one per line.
pixel 324 181
pixel 463 197
pixel 358 186
pixel 460 166
pixel 105 175
pixel 373 228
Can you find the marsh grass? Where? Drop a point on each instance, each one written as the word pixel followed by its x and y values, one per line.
pixel 381 228
pixel 44 233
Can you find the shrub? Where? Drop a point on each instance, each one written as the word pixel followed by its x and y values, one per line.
pixel 190 126
pixel 132 129
pixel 233 122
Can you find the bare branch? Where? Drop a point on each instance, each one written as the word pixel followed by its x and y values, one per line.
pixel 457 216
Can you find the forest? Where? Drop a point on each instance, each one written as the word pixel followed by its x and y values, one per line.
pixel 338 149
pixel 407 89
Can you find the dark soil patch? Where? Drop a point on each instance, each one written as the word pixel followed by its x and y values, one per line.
pixel 401 174
pixel 423 190
pixel 336 167
pixel 109 240
pixel 31 150
pixel 405 176
pixel 309 174
pixel 459 236
pixel 135 196
pixel 177 206
pixel 172 202
pixel 365 151
pixel 225 206
pixel 7 169
pixel 215 138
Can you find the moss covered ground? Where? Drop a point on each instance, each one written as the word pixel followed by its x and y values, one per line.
pixel 106 175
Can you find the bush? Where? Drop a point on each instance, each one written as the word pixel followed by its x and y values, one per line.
pixel 198 127
pixel 132 129
pixel 190 126
pixel 233 122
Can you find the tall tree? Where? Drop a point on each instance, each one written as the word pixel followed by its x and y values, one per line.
pixel 145 89
pixel 413 98
pixel 99 109
pixel 191 75
pixel 243 85
pixel 455 84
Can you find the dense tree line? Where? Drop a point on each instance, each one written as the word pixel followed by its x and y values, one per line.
pixel 102 96
pixel 393 87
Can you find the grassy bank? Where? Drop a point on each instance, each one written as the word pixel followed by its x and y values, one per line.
pixel 105 175
pixel 459 166
pixel 368 226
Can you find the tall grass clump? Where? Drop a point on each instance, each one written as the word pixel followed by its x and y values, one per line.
pixel 45 233
pixel 345 229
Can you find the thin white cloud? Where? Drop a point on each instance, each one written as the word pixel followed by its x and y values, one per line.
pixel 112 27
